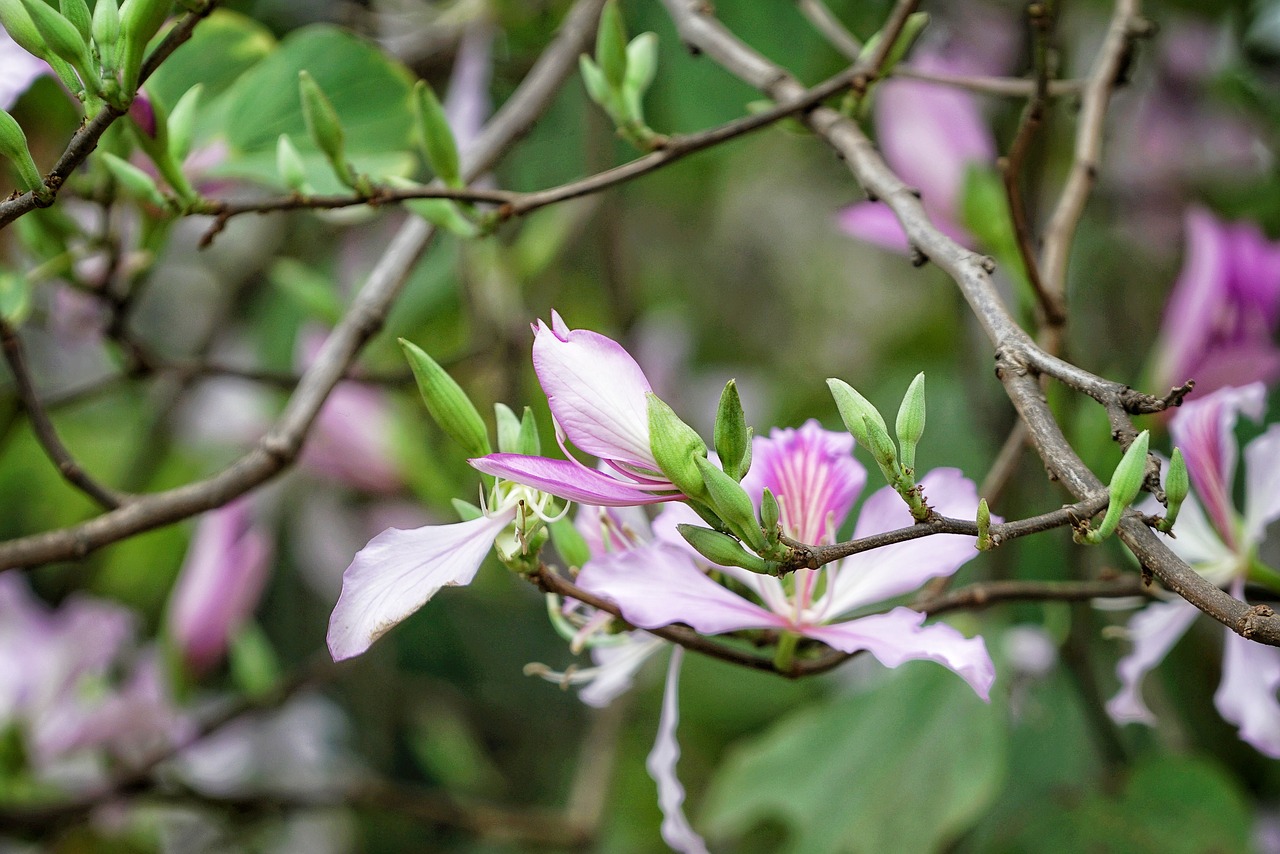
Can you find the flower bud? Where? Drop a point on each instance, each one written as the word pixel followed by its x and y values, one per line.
pixel 1126 483
pixel 676 448
pixel 721 549
pixel 182 123
pixel 438 144
pixel 105 28
pixel 13 147
pixel 910 424
pixel 64 40
pixel 1177 483
pixel 984 527
pixel 529 442
pixel 881 448
pixel 770 515
pixel 853 408
pixel 290 168
pixel 77 12
pixel 732 435
pixel 593 80
pixel 732 504
pixel 611 45
pixel 136 183
pixel 142 19
pixel 323 125
pixel 17 22
pixel 642 64
pixel 508 428
pixel 447 402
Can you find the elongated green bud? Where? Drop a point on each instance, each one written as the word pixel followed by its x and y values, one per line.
pixel 142 19
pixel 642 64
pixel 13 147
pixel 881 448
pixel 611 45
pixel 17 22
pixel 732 435
pixel 529 442
pixel 182 123
pixel 64 40
pixel 676 447
pixel 105 28
pixel 853 409
pixel 593 79
pixel 508 428
pixel 1177 483
pixel 984 527
pixel 1126 483
pixel 447 402
pixel 770 515
pixel 324 126
pixel 77 12
pixel 721 549
pixel 136 183
pixel 732 504
pixel 438 143
pixel 290 168
pixel 910 424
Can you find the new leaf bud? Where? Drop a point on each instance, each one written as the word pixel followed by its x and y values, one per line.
pixel 593 79
pixel 611 45
pixel 881 448
pixel 770 514
pixel 642 63
pixel 323 125
pixel 447 402
pixel 182 123
pixel 732 436
pixel 1177 483
pixel 508 428
pixel 529 442
pixel 77 12
pixel 134 181
pixel 1126 483
pixel 105 28
pixel 13 147
pixel 721 549
pixel 984 527
pixel 17 22
pixel 853 408
pixel 732 504
pixel 290 168
pixel 910 424
pixel 676 448
pixel 64 40
pixel 438 143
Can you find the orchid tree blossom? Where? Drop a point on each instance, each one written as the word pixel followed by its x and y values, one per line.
pixel 816 480
pixel 1221 320
pixel 597 395
pixel 1222 544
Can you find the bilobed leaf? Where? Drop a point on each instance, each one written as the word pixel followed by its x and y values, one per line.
pixel 921 749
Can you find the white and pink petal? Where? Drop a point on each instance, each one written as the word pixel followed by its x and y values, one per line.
pixel 1154 630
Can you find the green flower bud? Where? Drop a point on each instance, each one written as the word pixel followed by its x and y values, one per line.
pixel 1126 483
pixel 447 402
pixel 770 515
pixel 881 448
pixel 323 125
pixel 853 408
pixel 732 504
pixel 529 442
pixel 984 527
pixel 13 147
pixel 642 64
pixel 136 183
pixel 508 428
pixel 721 549
pixel 105 28
pixel 676 448
pixel 732 436
pixel 593 79
pixel 152 133
pixel 290 168
pixel 910 425
pixel 64 40
pixel 182 123
pixel 17 22
pixel 611 45
pixel 438 143
pixel 569 542
pixel 77 12
pixel 142 19
pixel 1177 483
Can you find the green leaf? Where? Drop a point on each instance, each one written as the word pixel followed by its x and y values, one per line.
pixel 921 747
pixel 239 43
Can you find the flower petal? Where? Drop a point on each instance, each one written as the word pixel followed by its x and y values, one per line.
pixel 1247 694
pixel 879 574
pixel 616 667
pixel 898 636
pixel 596 392
pixel 1262 484
pixel 661 764
pixel 659 585
pixel 398 571
pixel 1196 299
pixel 812 473
pixel 571 480
pixel 1205 431
pixel 876 224
pixel 1154 630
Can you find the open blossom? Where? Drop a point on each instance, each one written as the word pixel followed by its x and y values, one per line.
pixel 1221 544
pixel 1220 323
pixel 597 395
pixel 816 480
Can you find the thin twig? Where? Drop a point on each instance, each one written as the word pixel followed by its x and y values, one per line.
pixel 831 27
pixel 1012 87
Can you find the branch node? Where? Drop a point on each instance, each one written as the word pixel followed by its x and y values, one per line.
pixel 1255 620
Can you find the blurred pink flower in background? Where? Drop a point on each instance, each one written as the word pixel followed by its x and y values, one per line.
pixel 1223 313
pixel 221 581
pixel 18 70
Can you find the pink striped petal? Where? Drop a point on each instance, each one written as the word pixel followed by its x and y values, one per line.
pixel 398 571
pixel 661 764
pixel 570 480
pixel 1247 694
pixel 1262 484
pixel 899 636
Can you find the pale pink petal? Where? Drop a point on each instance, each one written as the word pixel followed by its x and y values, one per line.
pixel 18 70
pixel 351 440
pixel 659 585
pixel 1195 300
pixel 570 480
pixel 1262 483
pixel 661 764
pixel 616 667
pixel 611 529
pixel 768 588
pixel 1197 541
pixel 1247 694
pixel 398 571
pixel 899 636
pixel 812 473
pixel 879 574
pixel 596 392
pixel 876 224
pixel 220 583
pixel 1205 431
pixel 1154 630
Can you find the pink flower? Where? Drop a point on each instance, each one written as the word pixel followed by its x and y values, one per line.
pixel 220 584
pixel 596 392
pixel 18 70
pixel 1220 323
pixel 1222 545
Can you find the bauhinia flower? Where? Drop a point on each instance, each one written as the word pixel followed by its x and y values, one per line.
pixel 815 478
pixel 597 395
pixel 1222 545
pixel 1221 320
